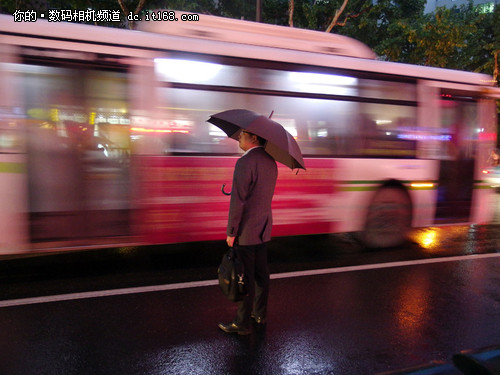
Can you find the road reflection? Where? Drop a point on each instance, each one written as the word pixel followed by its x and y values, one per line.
pixel 412 304
pixel 457 239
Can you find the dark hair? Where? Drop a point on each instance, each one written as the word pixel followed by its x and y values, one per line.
pixel 261 140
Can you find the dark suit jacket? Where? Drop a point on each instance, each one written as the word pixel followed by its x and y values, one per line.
pixel 254 179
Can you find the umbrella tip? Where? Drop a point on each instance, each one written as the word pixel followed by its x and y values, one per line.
pixel 271 115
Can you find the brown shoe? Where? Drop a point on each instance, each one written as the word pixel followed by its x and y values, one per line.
pixel 234 328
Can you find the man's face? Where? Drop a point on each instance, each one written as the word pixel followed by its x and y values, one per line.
pixel 246 140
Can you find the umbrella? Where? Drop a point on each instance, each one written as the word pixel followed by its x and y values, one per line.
pixel 279 143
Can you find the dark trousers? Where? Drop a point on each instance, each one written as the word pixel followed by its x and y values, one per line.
pixel 254 259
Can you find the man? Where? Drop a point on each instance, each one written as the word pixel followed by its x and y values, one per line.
pixel 249 228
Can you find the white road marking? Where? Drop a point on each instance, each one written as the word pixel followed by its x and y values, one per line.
pixel 197 284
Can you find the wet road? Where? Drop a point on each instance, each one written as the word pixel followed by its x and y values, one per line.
pixel 335 308
pixel 356 322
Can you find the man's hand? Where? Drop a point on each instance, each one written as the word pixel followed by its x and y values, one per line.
pixel 230 241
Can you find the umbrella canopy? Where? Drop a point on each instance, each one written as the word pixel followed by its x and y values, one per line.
pixel 279 143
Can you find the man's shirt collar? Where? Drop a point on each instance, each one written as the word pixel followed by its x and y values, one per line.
pixel 247 151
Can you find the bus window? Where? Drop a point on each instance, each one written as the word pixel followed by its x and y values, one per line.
pixel 198 72
pixel 329 126
pixel 459 120
pixel 192 108
pixel 322 127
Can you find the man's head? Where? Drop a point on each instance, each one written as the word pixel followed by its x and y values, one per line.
pixel 249 140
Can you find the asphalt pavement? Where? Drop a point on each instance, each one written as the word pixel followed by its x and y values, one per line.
pixel 361 320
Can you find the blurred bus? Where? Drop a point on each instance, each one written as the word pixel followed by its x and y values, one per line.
pixel 104 139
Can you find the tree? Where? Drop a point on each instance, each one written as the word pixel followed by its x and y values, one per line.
pixel 340 11
pixel 387 25
pixel 126 12
pixel 276 12
pixel 374 24
pixel 486 54
pixel 240 9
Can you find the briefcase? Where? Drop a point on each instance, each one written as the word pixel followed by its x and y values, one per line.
pixel 232 276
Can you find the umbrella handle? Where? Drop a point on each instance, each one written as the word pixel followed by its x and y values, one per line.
pixel 223 192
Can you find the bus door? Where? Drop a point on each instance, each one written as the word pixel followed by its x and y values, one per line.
pixel 78 150
pixel 457 119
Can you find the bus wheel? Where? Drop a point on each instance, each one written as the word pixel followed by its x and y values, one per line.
pixel 388 219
